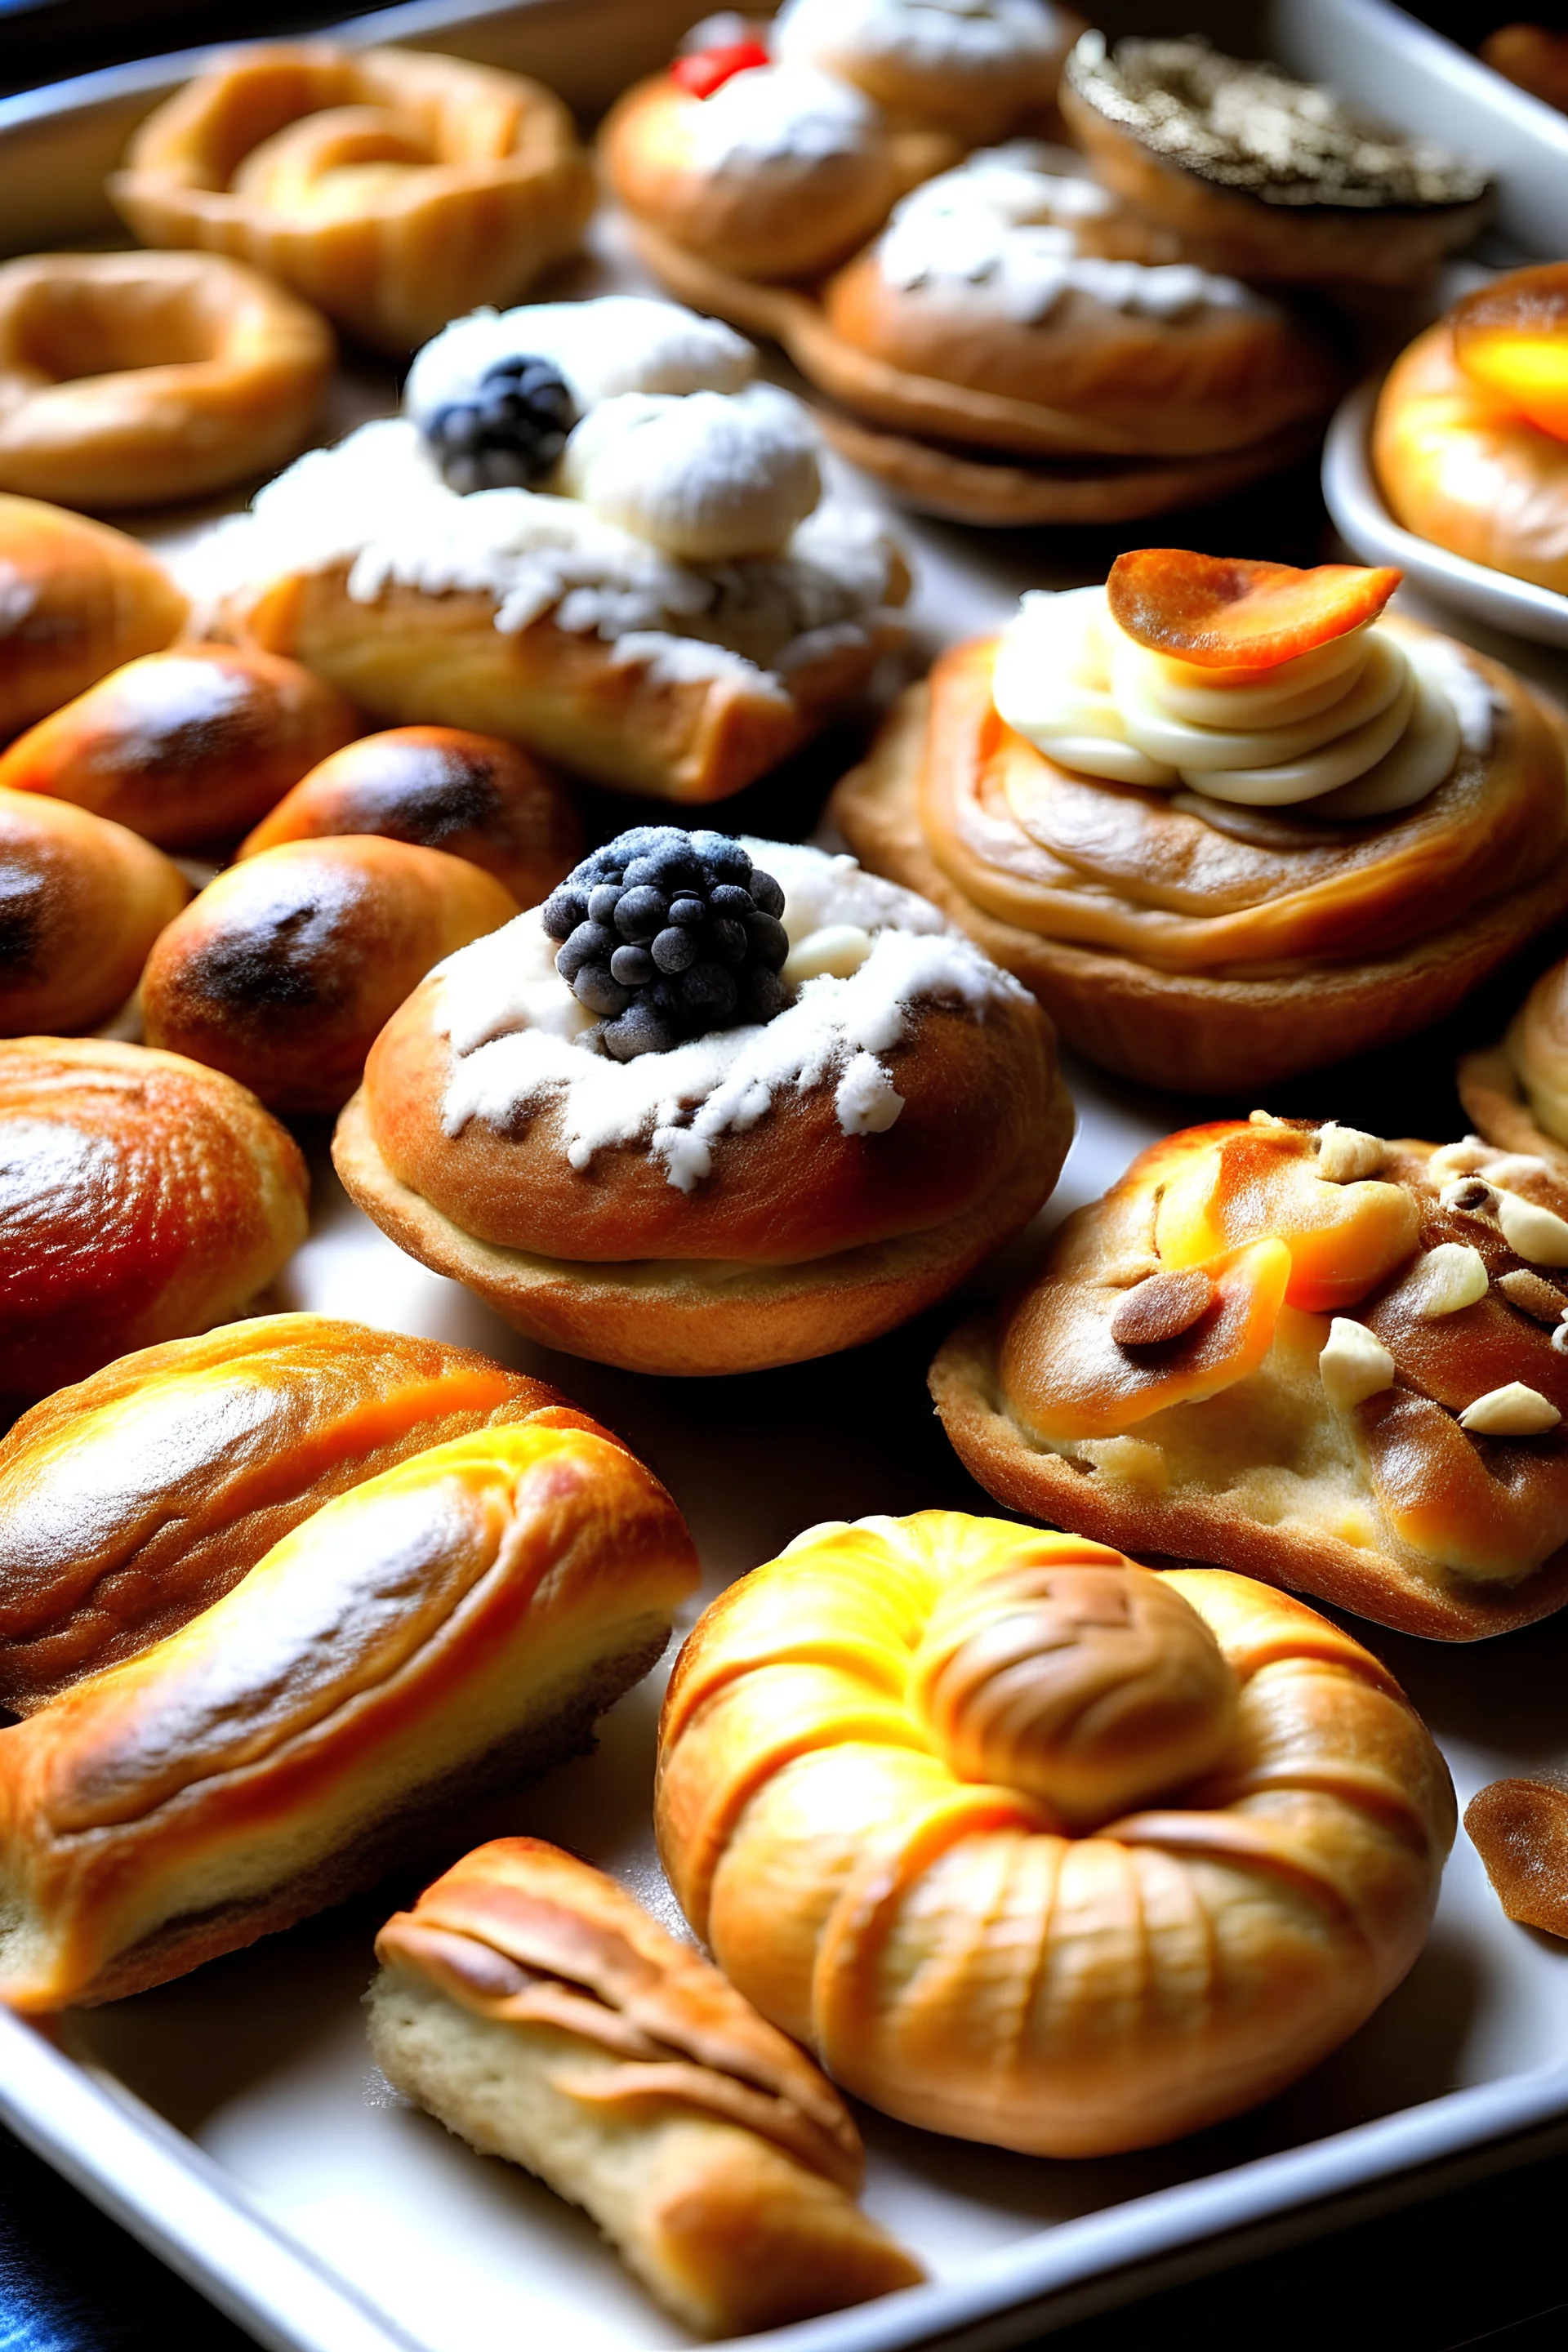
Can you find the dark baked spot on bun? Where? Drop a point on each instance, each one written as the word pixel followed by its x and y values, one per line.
pixel 23 917
pixel 428 797
pixel 287 956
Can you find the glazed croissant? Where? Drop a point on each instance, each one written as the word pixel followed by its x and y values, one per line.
pixel 1035 1847
pixel 538 2011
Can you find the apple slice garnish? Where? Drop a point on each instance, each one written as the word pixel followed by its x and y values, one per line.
pixel 1235 613
pixel 1512 337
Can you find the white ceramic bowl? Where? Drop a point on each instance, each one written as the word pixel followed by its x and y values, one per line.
pixel 1355 500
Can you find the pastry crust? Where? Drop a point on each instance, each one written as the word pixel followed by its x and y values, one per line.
pixel 1035 1847
pixel 88 597
pixel 543 2016
pixel 1511 1089
pixel 392 188
pixel 84 901
pixel 1197 1027
pixel 134 379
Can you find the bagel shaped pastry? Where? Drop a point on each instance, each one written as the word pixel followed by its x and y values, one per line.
pixel 436 1634
pixel 133 379
pixel 1517 1092
pixel 132 1501
pixel 1470 437
pixel 541 2015
pixel 976 69
pixel 80 904
pixel 285 969
pixel 391 188
pixel 80 600
pixel 806 1108
pixel 1035 1847
pixel 440 788
pixel 590 533
pixel 141 1198
pixel 1302 1352
pixel 1228 820
pixel 188 747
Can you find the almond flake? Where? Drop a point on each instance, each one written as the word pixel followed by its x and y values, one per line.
pixel 1462 1159
pixel 1347 1154
pixel 1162 1308
pixel 1472 1194
pixel 1533 1295
pixel 1534 1233
pixel 1450 1276
pixel 1354 1363
pixel 1513 1411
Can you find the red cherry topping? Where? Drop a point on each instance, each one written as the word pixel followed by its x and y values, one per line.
pixel 706 70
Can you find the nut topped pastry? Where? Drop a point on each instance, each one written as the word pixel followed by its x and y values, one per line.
pixel 1227 819
pixel 1296 1349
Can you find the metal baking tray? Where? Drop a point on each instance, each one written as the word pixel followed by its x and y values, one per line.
pixel 233 2120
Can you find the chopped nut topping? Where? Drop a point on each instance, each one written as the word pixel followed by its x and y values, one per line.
pixel 1535 1233
pixel 1513 1411
pixel 1448 1278
pixel 1123 1272
pixel 1162 1308
pixel 1263 1118
pixel 1532 1295
pixel 1346 1154
pixel 1354 1364
pixel 1462 1159
pixel 1473 1194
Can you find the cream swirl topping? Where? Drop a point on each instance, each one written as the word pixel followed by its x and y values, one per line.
pixel 1361 727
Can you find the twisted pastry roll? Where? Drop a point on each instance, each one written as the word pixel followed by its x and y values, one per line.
pixel 1035 1847
pixel 538 2011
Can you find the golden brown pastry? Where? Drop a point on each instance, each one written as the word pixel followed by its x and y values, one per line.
pixel 1520 1829
pixel 286 966
pixel 80 904
pixel 392 188
pixel 539 2013
pixel 1033 1846
pixel 440 788
pixel 1236 166
pixel 777 1139
pixel 590 533
pixel 978 69
pixel 437 1634
pixel 1470 437
pixel 1517 1092
pixel 132 1500
pixel 78 600
pixel 188 748
pixel 132 379
pixel 1533 58
pixel 1228 820
pixel 141 1198
pixel 1303 1352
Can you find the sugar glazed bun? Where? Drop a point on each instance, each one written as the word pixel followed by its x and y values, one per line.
pixel 391 188
pixel 80 600
pixel 141 1198
pixel 439 788
pixel 1517 1092
pixel 1236 166
pixel 590 533
pixel 1229 821
pixel 189 747
pixel 734 1166
pixel 1470 441
pixel 1305 1353
pixel 132 1501
pixel 80 904
pixel 1035 1847
pixel 541 2013
pixel 285 969
pixel 978 69
pixel 435 1633
pixel 133 379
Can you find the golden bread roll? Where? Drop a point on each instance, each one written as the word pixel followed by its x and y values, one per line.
pixel 1520 1829
pixel 1035 1847
pixel 540 2014
pixel 80 600
pixel 82 901
pixel 1305 1353
pixel 434 1635
pixel 188 748
pixel 135 1499
pixel 132 379
pixel 392 188
pixel 1517 1092
pixel 442 788
pixel 978 69
pixel 141 1198
pixel 286 966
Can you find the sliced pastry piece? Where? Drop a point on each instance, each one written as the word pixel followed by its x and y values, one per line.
pixel 1301 1351
pixel 541 2015
pixel 590 533
pixel 1034 1846
pixel 1228 820
pixel 716 1105
pixel 1517 1092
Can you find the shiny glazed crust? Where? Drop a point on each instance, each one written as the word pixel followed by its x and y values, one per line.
pixel 951 1950
pixel 84 902
pixel 434 1633
pixel 149 1198
pixel 298 159
pixel 94 599
pixel 539 2013
pixel 132 379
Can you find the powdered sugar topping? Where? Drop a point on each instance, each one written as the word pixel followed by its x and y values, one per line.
pixel 778 115
pixel 620 342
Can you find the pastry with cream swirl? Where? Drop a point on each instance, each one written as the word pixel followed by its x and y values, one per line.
pixel 1229 821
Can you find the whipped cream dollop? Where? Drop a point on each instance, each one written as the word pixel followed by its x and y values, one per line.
pixel 706 476
pixel 937 36
pixel 1361 727
pixel 1001 230
pixel 778 115
pixel 617 343
pixel 863 954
